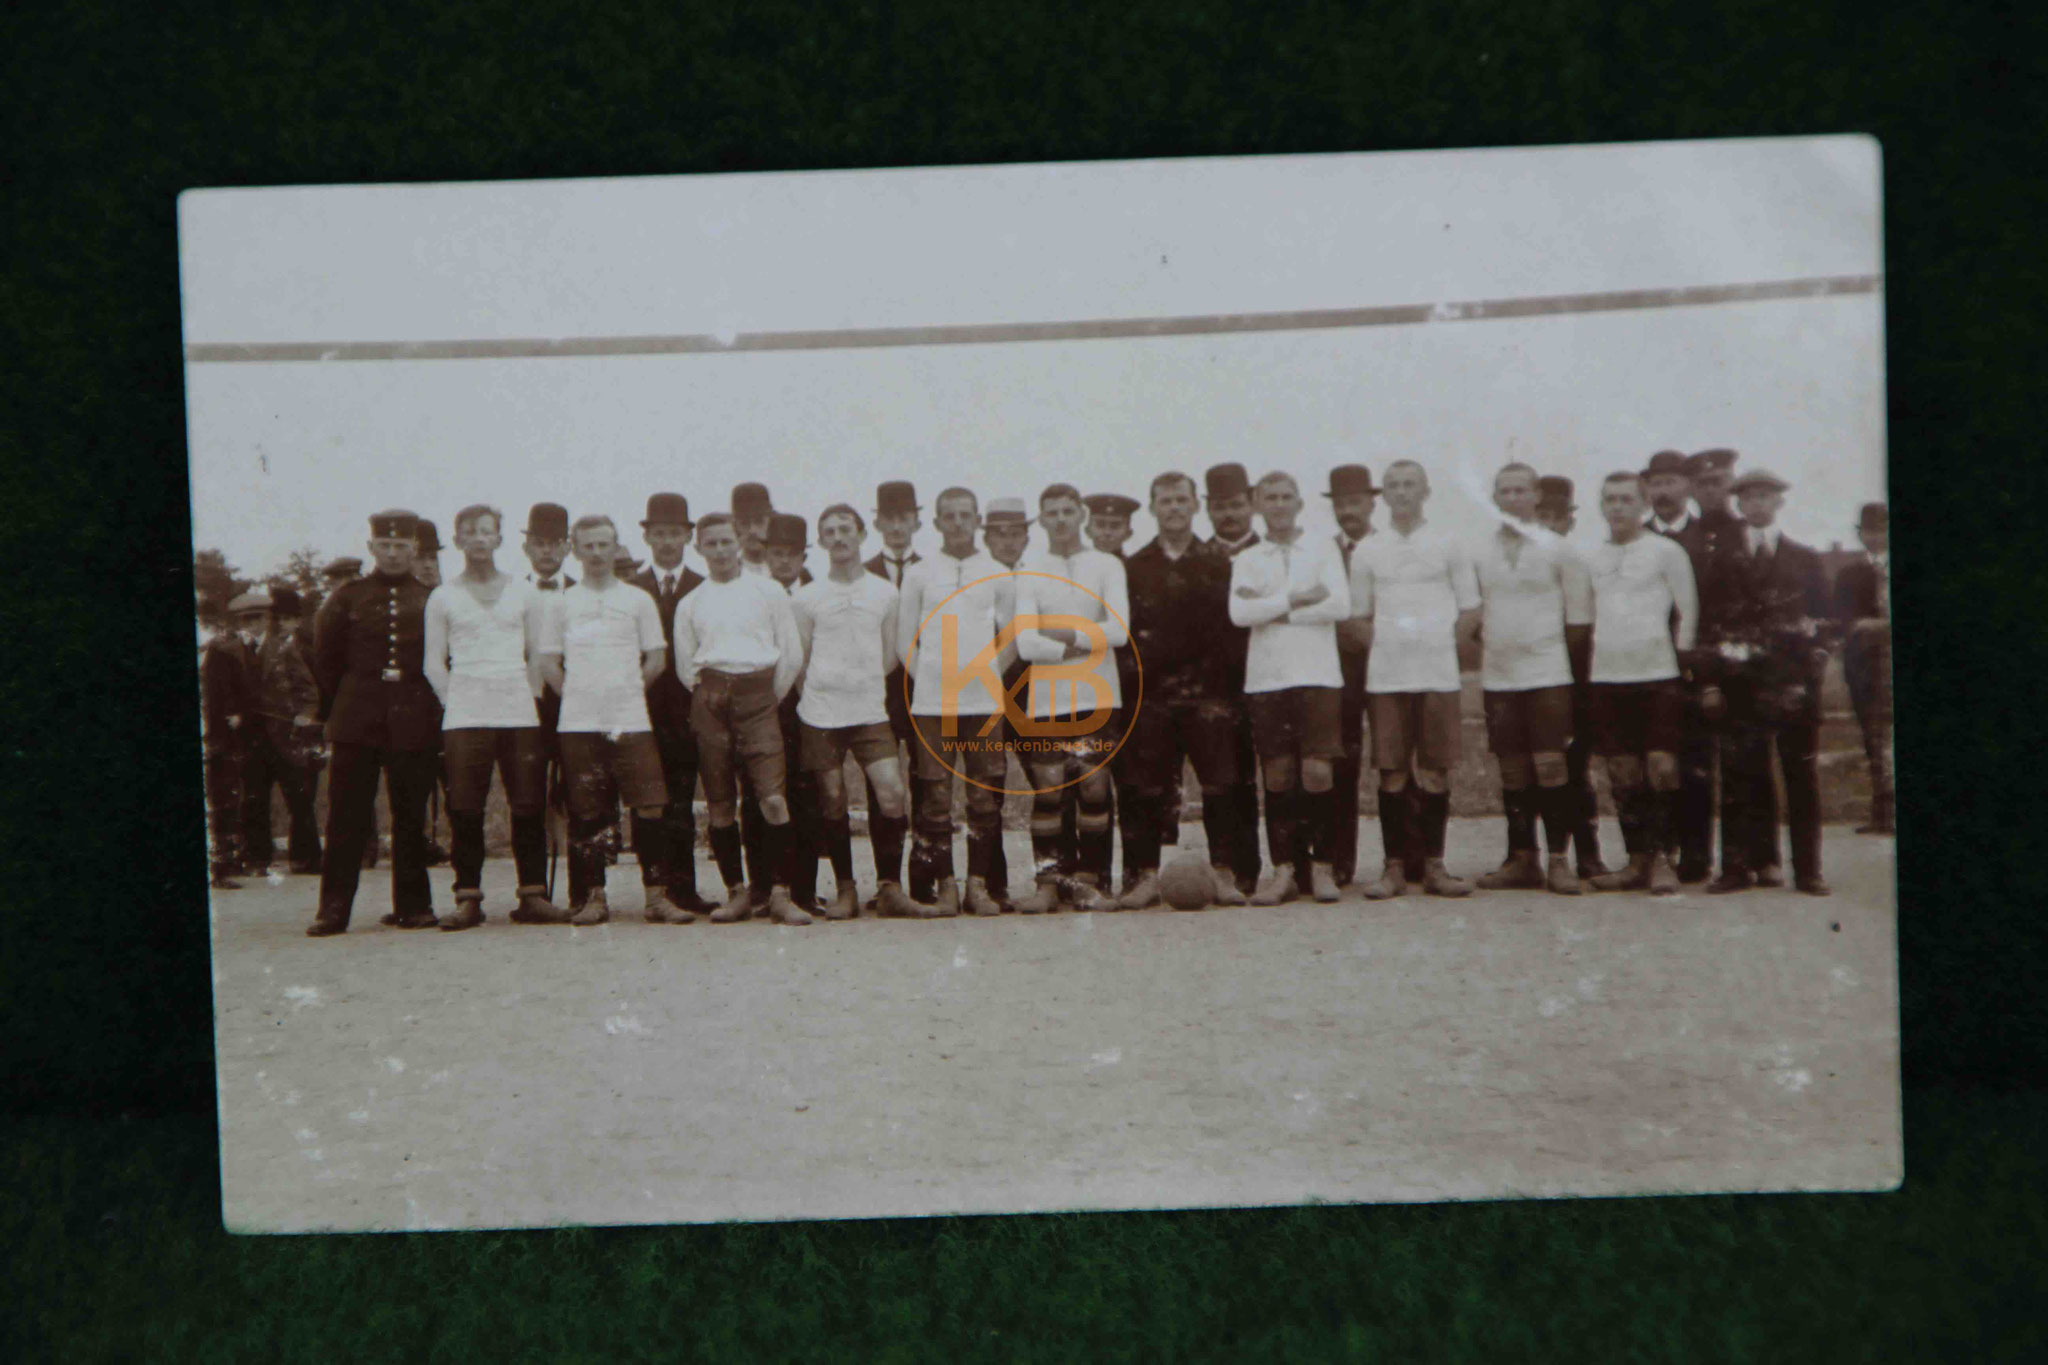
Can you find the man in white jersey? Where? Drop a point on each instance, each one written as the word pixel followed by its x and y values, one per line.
pixel 952 608
pixel 1415 595
pixel 1005 531
pixel 1289 590
pixel 1227 496
pixel 1072 681
pixel 1351 496
pixel 738 651
pixel 483 652
pixel 1642 583
pixel 1558 514
pixel 602 649
pixel 1534 601
pixel 847 620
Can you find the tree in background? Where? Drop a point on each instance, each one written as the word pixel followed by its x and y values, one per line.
pixel 218 583
pixel 301 573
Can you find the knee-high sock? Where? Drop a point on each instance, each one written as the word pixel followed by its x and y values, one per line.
pixel 1094 838
pixel 468 852
pixel 1521 805
pixel 1139 810
pixel 530 846
pixel 984 846
pixel 725 849
pixel 779 852
pixel 1436 818
pixel 650 842
pixel 1280 827
pixel 1394 819
pixel 1585 820
pixel 1219 826
pixel 586 856
pixel 885 834
pixel 839 847
pixel 1318 823
pixel 1559 807
pixel 1659 827
pixel 1418 830
pixel 1047 835
pixel 1629 808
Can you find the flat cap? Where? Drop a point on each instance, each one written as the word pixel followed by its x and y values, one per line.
pixel 1006 512
pixel 1110 505
pixel 348 566
pixel 287 602
pixel 254 600
pixel 1759 478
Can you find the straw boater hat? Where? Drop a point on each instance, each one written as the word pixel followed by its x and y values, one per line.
pixel 1006 512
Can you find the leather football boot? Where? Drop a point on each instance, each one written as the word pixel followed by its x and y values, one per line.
pixel 1437 880
pixel 978 901
pixel 1226 891
pixel 595 910
pixel 1519 873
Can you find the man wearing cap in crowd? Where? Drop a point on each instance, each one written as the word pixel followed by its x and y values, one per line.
pixel 1109 530
pixel 668 579
pixel 1863 613
pixel 1227 496
pixel 1005 531
pixel 345 569
pixel 751 509
pixel 281 740
pixel 1558 514
pixel 1775 626
pixel 426 567
pixel 786 544
pixel 897 521
pixel 1351 495
pixel 226 664
pixel 1709 472
pixel 1668 482
pixel 369 645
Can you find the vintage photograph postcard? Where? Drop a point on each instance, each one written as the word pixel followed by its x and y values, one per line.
pixel 1166 684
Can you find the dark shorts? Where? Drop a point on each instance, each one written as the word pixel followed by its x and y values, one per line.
pixel 1090 750
pixel 826 750
pixel 1414 728
pixel 1205 729
pixel 983 760
pixel 1537 720
pixel 1638 718
pixel 520 756
pixel 1305 722
pixel 737 719
pixel 599 768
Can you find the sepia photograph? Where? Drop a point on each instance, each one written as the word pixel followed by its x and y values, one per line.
pixel 1006 689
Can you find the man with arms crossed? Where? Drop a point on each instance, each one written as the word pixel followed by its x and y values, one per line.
pixel 1179 586
pixel 1289 590
pixel 1642 583
pixel 953 703
pixel 668 580
pixel 1073 679
pixel 738 652
pixel 847 621
pixel 1535 601
pixel 482 653
pixel 602 649
pixel 1351 502
pixel 1415 594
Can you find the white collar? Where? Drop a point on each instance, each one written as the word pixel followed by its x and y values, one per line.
pixel 1767 537
pixel 1658 523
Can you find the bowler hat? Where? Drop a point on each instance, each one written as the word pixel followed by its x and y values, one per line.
pixel 751 500
pixel 394 524
pixel 1110 505
pixel 1227 481
pixel 667 509
pixel 1006 512
pixel 1874 517
pixel 1555 491
pixel 548 521
pixel 1718 460
pixel 348 566
pixel 1759 478
pixel 1668 462
pixel 787 531
pixel 897 495
pixel 428 537
pixel 1347 479
pixel 287 602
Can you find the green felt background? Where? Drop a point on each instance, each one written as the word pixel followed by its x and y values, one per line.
pixel 110 1198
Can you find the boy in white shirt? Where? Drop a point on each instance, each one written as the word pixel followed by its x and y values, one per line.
pixel 601 649
pixel 1289 589
pixel 1535 605
pixel 1073 679
pixel 847 621
pixel 1641 583
pixel 1415 595
pixel 738 652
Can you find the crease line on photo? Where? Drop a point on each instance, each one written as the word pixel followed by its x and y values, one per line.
pixel 1001 333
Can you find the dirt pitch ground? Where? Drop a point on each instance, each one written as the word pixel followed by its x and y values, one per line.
pixel 1511 1044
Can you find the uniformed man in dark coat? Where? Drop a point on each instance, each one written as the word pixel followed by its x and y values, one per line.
pixel 666 529
pixel 897 521
pixel 281 740
pixel 382 716
pixel 1863 615
pixel 225 694
pixel 1711 473
pixel 1775 627
pixel 1227 491
pixel 1557 513
pixel 426 566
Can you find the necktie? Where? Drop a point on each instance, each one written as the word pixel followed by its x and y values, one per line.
pixel 895 571
pixel 668 585
pixel 549 585
pixel 1346 547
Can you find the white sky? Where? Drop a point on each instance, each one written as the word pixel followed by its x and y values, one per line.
pixel 290 454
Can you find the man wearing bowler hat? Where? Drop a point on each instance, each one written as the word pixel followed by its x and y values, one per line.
pixel 1227 491
pixel 546 546
pixel 1863 613
pixel 1776 623
pixel 668 580
pixel 897 520
pixel 751 509
pixel 369 647
pixel 1557 513
pixel 1667 480
pixel 786 543
pixel 1351 495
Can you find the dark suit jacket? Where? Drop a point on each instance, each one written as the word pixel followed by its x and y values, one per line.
pixel 1856 596
pixel 284 686
pixel 667 698
pixel 879 569
pixel 892 685
pixel 1778 608
pixel 365 627
pixel 1705 546
pixel 1865 656
pixel 224 689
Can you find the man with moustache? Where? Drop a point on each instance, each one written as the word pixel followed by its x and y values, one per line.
pixel 898 521
pixel 1351 497
pixel 668 580
pixel 1863 614
pixel 1179 589
pixel 1710 474
pixel 1558 514
pixel 369 646
pixel 847 621
pixel 751 509
pixel 956 708
pixel 545 543
pixel 1228 497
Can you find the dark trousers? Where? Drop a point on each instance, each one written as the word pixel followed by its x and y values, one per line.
pixel 224 804
pixel 1693 812
pixel 1867 669
pixel 1749 806
pixel 1348 768
pixel 678 745
pixel 409 774
pixel 1578 756
pixel 1244 795
pixel 264 766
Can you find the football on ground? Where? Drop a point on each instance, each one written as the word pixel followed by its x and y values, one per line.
pixel 1185 882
